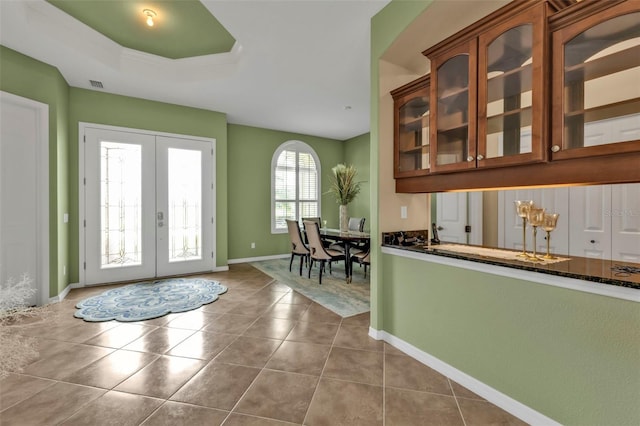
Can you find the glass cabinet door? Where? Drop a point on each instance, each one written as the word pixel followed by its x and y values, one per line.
pixel 510 91
pixel 454 115
pixel 412 133
pixel 598 76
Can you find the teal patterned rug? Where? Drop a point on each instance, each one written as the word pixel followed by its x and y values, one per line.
pixel 334 293
pixel 142 301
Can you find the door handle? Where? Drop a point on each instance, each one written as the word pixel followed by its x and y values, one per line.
pixel 440 228
pixel 160 216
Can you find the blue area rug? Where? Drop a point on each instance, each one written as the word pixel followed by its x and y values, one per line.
pixel 334 293
pixel 142 301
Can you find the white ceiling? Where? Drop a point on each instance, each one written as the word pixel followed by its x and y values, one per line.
pixel 295 67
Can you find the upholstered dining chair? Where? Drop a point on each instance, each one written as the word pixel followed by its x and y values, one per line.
pixel 363 258
pixel 297 246
pixel 318 252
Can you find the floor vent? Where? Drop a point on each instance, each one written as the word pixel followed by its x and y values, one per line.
pixel 97 84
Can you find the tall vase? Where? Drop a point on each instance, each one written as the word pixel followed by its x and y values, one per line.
pixel 344 218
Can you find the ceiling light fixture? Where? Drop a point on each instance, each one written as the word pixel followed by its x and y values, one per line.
pixel 150 14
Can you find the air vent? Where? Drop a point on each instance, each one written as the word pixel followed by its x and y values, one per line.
pixel 96 84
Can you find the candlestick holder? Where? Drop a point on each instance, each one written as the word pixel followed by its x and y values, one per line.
pixel 549 224
pixel 536 218
pixel 522 209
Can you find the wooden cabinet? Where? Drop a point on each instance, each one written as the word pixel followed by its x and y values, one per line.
pixel 513 59
pixel 453 120
pixel 411 128
pixel 596 80
pixel 519 93
pixel 489 92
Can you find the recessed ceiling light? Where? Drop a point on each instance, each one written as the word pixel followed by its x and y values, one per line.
pixel 150 14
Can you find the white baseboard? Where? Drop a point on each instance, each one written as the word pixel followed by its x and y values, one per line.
pixel 60 297
pixel 492 395
pixel 258 259
pixel 220 268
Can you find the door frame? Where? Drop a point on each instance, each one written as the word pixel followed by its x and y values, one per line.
pixel 81 174
pixel 42 195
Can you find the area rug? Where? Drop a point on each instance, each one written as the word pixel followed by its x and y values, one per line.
pixel 142 301
pixel 334 293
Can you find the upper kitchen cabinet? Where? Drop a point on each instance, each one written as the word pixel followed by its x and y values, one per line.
pixel 411 127
pixel 453 117
pixel 488 90
pixel 513 57
pixel 596 79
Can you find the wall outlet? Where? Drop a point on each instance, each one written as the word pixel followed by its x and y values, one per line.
pixel 403 212
pixel 65 218
pixel 253 245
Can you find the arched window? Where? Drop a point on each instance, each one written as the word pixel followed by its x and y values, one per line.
pixel 295 184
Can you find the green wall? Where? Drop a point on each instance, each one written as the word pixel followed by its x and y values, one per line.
pixel 90 106
pixel 356 152
pixel 26 77
pixel 250 152
pixel 571 356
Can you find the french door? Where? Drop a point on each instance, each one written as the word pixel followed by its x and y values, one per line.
pixel 148 205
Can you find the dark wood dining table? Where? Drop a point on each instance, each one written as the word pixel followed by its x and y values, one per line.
pixel 349 238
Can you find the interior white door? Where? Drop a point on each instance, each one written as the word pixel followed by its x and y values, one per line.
pixel 590 226
pixel 148 205
pixel 24 192
pixel 184 210
pixel 451 211
pixel 625 222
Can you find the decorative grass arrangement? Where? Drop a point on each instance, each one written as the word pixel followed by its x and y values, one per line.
pixel 343 184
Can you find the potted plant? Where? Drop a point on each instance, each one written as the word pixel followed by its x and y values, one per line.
pixel 344 188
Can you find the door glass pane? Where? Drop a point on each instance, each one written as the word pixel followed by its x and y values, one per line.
pixel 601 74
pixel 509 72
pixel 453 110
pixel 185 204
pixel 120 204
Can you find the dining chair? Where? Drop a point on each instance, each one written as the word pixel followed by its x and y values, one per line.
pixel 363 258
pixel 298 248
pixel 318 252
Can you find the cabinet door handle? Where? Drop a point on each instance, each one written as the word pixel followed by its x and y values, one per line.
pixel 555 148
pixel 470 158
pixel 480 157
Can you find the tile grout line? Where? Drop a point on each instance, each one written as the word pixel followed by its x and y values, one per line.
pixel 266 362
pixel 455 397
pixel 326 361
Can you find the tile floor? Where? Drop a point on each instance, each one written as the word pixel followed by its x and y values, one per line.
pixel 260 355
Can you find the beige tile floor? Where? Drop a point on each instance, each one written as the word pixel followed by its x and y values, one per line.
pixel 260 355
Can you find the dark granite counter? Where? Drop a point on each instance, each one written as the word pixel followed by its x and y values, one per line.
pixel 609 272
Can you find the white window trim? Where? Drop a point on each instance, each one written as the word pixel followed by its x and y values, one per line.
pixel 299 146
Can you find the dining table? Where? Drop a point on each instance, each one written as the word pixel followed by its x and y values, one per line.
pixel 349 238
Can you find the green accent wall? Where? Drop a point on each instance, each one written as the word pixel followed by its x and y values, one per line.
pixel 26 77
pixel 102 108
pixel 250 152
pixel 569 355
pixel 356 152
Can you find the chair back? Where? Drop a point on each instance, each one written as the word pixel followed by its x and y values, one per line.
pixel 356 224
pixel 297 246
pixel 313 219
pixel 315 242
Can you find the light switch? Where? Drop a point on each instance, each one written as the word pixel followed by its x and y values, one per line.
pixel 403 212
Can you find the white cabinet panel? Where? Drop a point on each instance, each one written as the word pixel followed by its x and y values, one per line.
pixel 625 222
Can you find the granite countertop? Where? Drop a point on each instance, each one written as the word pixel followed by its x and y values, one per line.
pixel 610 272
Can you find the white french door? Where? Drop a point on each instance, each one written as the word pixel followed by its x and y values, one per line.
pixel 148 205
